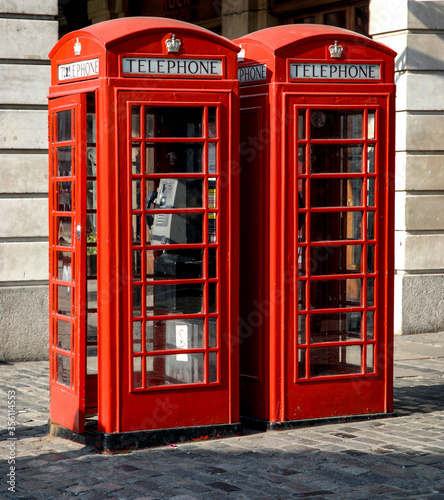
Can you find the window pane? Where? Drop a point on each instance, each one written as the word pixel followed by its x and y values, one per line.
pixel 64 304
pixel 336 192
pixel 212 130
pixel 302 335
pixel 91 294
pixel 212 332
pixel 301 124
pixel 371 159
pixel 175 299
pixel 91 360
pixel 335 360
pixel 174 334
pixel 63 126
pixel 91 162
pixel 344 259
pixel 135 121
pixel 65 266
pixel 173 193
pixel 173 229
pixel 301 363
pixel 334 158
pixel 175 264
pixel 335 327
pixel 327 294
pixel 212 372
pixel 64 162
pixel 137 372
pixel 335 124
pixel 370 359
pixel 137 336
pixel 174 158
pixel 64 335
pixel 330 226
pixel 173 369
pixel 173 122
pixel 63 370
pixel 91 326
pixel 63 227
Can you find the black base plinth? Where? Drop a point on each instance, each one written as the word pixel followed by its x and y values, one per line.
pixel 264 425
pixel 126 441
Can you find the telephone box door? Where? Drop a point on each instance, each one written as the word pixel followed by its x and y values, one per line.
pixel 337 258
pixel 67 138
pixel 176 349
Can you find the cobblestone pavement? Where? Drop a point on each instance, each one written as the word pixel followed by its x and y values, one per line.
pixel 400 457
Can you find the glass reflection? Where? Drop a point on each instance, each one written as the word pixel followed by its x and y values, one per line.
pixel 336 192
pixel 336 124
pixel 63 126
pixel 64 161
pixel 341 259
pixel 330 226
pixel 335 327
pixel 335 158
pixel 173 121
pixel 176 299
pixel 175 334
pixel 169 370
pixel 63 370
pixel 335 360
pixel 341 293
pixel 174 158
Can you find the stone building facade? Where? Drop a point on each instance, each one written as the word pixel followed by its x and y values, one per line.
pixel 28 31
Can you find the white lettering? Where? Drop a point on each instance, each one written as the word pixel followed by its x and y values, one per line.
pixel 165 66
pixel 317 71
pixel 80 69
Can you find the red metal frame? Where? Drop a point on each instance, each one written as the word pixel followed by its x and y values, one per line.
pixel 121 407
pixel 281 394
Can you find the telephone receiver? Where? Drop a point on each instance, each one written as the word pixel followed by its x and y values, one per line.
pixel 149 201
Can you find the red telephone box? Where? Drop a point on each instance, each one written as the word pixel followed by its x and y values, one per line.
pixel 316 249
pixel 143 133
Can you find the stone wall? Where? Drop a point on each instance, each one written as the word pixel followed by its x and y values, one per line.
pixel 415 30
pixel 28 31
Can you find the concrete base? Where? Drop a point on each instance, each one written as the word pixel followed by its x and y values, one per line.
pixel 24 323
pixel 418 303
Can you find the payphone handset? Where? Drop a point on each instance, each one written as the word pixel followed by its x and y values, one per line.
pixel 166 228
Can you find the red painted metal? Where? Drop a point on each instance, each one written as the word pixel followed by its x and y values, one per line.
pixel 308 348
pixel 97 65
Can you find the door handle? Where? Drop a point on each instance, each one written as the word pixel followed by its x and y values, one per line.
pixel 78 231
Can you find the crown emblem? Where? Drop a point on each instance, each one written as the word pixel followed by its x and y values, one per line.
pixel 336 50
pixel 173 44
pixel 77 48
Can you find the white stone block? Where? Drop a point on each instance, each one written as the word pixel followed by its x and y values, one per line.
pixel 424 213
pixel 415 252
pixel 23 129
pixel 419 91
pixel 41 8
pixel 23 173
pixel 423 172
pixel 415 132
pixel 387 16
pixel 24 217
pixel 415 51
pixel 27 261
pixel 27 39
pixel 24 84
